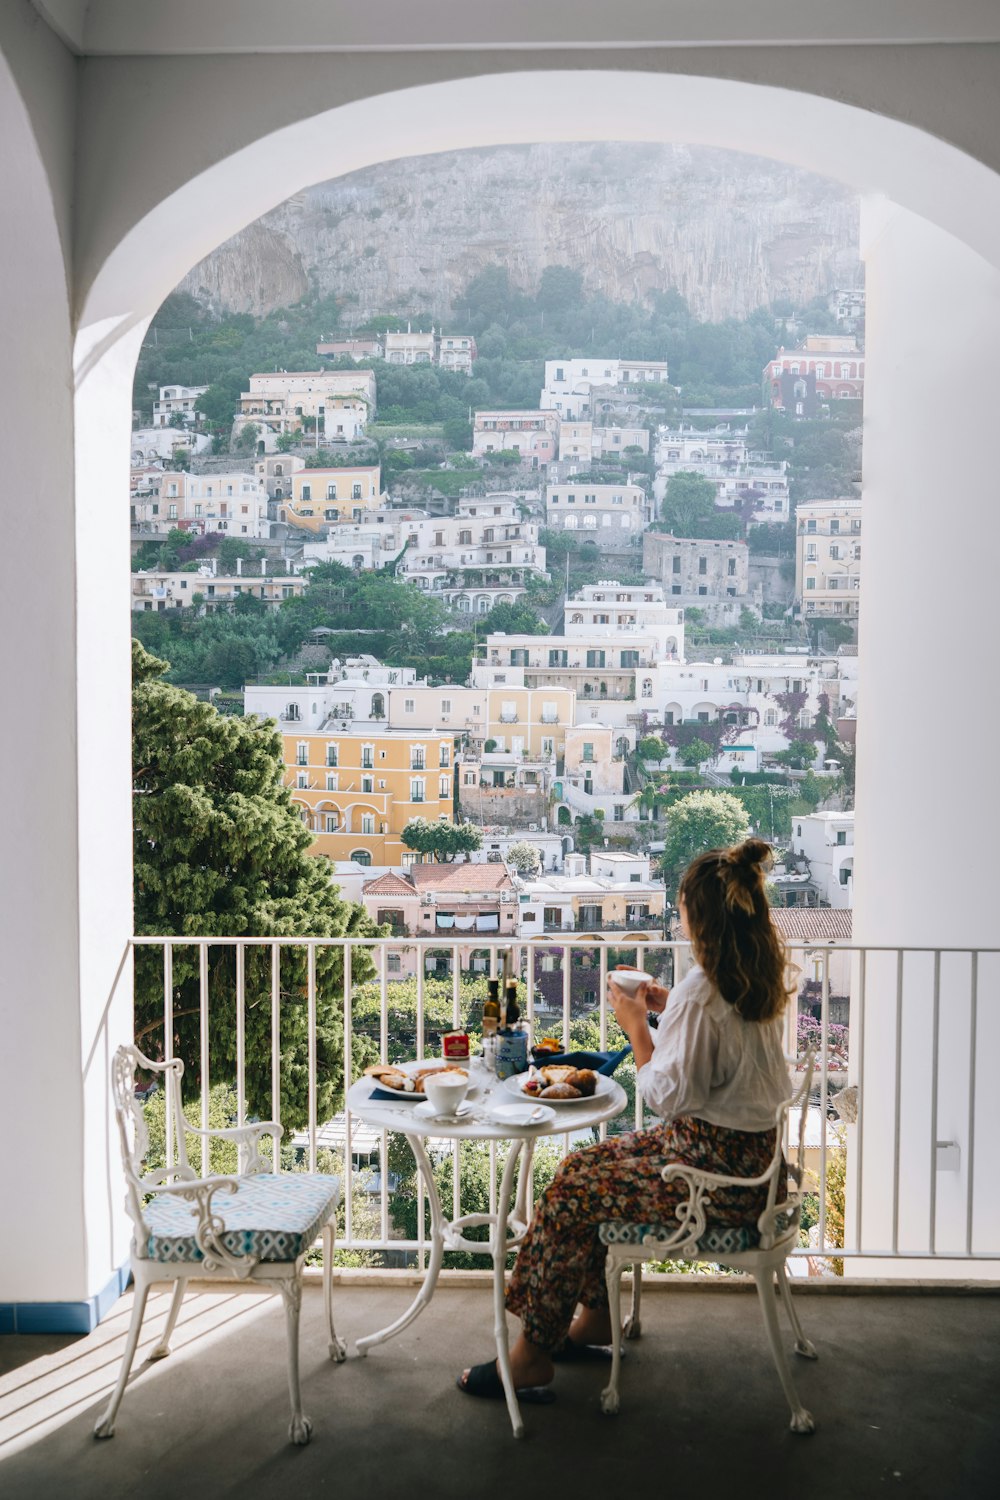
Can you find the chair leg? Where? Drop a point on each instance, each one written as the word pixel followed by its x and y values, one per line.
pixel 613 1276
pixel 163 1347
pixel 802 1420
pixel 300 1427
pixel 336 1347
pixel 633 1323
pixel 105 1428
pixel 803 1346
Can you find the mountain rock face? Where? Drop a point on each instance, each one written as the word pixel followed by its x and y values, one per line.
pixel 730 232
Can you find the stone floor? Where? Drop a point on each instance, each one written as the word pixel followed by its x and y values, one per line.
pixel 905 1395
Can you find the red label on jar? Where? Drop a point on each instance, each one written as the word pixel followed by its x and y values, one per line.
pixel 455 1044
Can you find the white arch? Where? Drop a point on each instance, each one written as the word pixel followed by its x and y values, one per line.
pixel 136 243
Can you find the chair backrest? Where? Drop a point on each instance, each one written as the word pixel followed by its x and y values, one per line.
pixel 133 1133
pixel 778 1219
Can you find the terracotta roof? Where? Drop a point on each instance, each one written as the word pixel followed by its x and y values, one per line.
pixel 388 885
pixel 818 922
pixel 464 877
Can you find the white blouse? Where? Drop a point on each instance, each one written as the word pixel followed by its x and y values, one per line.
pixel 709 1062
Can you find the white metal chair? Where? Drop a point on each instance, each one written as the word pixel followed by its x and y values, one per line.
pixel 761 1251
pixel 254 1226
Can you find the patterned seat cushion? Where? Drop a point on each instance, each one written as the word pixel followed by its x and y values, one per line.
pixel 721 1240
pixel 272 1217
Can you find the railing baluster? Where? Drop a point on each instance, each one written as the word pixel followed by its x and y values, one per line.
pixel 935 1051
pixel 569 952
pixel 311 1045
pixel 420 1003
pixel 824 1085
pixel 602 1015
pixel 383 1052
pixel 348 1064
pixel 276 1045
pixel 897 1101
pixel 857 1041
pixel 204 1155
pixel 168 1043
pixel 241 1035
pixel 456 1146
pixel 971 1147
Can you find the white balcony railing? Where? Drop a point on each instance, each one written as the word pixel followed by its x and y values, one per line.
pixel 892 1181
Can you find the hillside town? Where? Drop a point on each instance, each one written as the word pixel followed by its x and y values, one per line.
pixel 620 662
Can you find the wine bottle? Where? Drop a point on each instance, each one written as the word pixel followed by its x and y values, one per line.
pixel 512 1011
pixel 491 1008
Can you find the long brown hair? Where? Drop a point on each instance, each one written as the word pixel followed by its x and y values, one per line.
pixel 732 935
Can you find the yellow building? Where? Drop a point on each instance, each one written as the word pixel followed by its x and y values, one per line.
pixel 324 497
pixel 530 721
pixel 356 793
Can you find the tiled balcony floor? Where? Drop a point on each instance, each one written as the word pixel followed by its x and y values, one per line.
pixel 905 1396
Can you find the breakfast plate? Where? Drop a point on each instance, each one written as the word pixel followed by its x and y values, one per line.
pixel 516 1084
pixel 529 1113
pixel 409 1069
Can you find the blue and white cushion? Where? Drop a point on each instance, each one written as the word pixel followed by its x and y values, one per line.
pixel 274 1217
pixel 722 1240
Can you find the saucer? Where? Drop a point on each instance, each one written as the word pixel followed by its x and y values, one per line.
pixel 426 1111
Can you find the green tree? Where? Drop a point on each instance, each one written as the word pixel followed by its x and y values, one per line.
pixel 700 821
pixel 284 442
pixel 443 841
pixel 525 858
pixel 247 440
pixel 458 433
pixel 694 754
pixel 219 850
pixel 651 747
pixel 515 619
pixel 689 503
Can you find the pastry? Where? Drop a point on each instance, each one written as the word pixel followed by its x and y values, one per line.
pixel 584 1080
pixel 560 1091
pixel 557 1073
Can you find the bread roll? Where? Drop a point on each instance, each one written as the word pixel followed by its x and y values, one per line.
pixel 584 1080
pixel 557 1073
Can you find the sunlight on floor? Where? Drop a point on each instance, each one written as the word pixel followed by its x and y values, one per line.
pixel 44 1393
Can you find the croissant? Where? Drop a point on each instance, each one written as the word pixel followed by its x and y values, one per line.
pixel 560 1091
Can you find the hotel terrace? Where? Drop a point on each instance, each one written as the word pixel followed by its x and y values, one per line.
pixel 109 206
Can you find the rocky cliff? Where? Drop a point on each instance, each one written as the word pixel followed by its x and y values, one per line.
pixel 729 231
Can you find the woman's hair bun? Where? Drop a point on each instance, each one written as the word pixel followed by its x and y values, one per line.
pixel 750 854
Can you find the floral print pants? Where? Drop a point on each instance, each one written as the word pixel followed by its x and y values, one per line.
pixel 561 1260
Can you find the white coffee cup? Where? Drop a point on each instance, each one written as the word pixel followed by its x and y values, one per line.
pixel 629 980
pixel 445 1091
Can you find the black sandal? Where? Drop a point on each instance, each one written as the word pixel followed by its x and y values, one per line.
pixel 484 1380
pixel 570 1352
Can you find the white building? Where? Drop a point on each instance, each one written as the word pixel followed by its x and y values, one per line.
pixel 154 444
pixel 532 434
pixel 234 503
pixel 573 387
pixel 456 351
pixel 583 442
pixel 826 840
pixel 611 511
pixel 177 403
pixel 624 610
pixel 481 556
pixel 617 894
pixel 335 404
pixel 371 544
pixel 409 348
pixel 764 701
pixel 207 589
pixel 828 557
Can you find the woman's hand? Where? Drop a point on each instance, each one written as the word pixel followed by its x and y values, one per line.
pixel 630 1013
pixel 654 996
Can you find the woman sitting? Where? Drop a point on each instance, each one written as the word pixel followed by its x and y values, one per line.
pixel 714 1072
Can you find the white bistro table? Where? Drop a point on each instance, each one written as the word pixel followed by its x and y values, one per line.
pixel 507 1226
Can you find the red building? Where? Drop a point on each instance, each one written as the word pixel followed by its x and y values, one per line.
pixel 825 367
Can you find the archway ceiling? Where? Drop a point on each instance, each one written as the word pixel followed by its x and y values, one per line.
pixel 158 192
pixel 188 27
